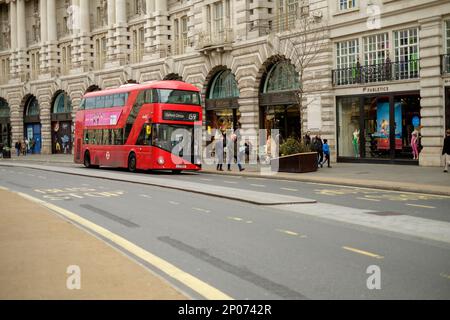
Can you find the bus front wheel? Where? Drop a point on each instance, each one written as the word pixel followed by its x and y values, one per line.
pixel 132 162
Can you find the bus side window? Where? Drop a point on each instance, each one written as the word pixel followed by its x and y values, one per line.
pixel 154 96
pixel 148 96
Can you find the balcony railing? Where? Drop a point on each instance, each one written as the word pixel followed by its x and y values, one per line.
pixel 216 38
pixel 445 61
pixel 388 71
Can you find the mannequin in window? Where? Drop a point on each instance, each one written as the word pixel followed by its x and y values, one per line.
pixel 415 144
pixel 355 142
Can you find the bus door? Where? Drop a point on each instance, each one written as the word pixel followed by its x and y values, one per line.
pixel 144 143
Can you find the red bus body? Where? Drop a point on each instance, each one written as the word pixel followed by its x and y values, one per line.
pixel 98 130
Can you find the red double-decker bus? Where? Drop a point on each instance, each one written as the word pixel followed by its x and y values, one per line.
pixel 148 127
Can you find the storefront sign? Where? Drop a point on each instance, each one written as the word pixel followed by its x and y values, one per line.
pixel 217 104
pixel 375 89
pixel 180 116
pixel 278 98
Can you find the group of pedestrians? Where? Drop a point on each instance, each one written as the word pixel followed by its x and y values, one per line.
pixel 228 144
pixel 24 146
pixel 320 146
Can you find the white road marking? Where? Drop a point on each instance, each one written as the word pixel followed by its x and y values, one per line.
pixel 201 210
pixel 230 182
pixel 145 196
pixel 258 185
pixel 289 189
pixel 368 199
pixel 203 179
pixel 174 203
pixel 420 206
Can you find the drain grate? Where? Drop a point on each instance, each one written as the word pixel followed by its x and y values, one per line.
pixel 385 213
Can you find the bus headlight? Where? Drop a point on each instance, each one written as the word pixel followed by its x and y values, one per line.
pixel 161 161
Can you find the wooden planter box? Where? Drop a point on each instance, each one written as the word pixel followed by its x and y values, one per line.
pixel 298 163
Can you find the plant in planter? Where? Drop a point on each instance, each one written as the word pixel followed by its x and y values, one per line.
pixel 6 152
pixel 296 156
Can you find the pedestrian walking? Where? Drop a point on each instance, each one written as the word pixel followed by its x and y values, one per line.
pixel 326 152
pixel 17 146
pixel 318 147
pixel 234 142
pixel 218 138
pixel 307 138
pixel 23 147
pixel 446 151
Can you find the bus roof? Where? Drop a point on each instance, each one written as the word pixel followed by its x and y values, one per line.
pixel 163 84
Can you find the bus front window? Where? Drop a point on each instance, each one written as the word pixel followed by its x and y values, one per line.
pixel 177 139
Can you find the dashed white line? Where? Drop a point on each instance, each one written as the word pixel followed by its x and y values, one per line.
pixel 145 196
pixel 368 199
pixel 174 203
pixel 201 210
pixel 289 189
pixel 230 182
pixel 258 185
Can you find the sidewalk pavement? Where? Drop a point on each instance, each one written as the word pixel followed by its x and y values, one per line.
pixel 37 247
pixel 405 178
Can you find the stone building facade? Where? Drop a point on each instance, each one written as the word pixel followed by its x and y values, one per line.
pixel 246 57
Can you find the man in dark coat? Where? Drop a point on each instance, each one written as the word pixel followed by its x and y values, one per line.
pixel 446 151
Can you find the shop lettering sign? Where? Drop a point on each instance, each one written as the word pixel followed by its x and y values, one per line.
pixel 375 89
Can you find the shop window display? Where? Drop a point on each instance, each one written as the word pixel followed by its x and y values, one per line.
pixel 348 127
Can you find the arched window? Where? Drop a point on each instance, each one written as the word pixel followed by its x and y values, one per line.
pixel 282 77
pixel 32 108
pixel 62 104
pixel 4 109
pixel 223 86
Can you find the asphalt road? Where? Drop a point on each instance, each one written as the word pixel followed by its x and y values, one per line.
pixel 259 252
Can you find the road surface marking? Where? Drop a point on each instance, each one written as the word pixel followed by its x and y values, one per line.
pixel 292 233
pixel 368 199
pixel 145 196
pixel 446 276
pixel 174 203
pixel 256 179
pixel 258 185
pixel 420 206
pixel 199 286
pixel 289 189
pixel 4 189
pixel 366 253
pixel 240 220
pixel 201 210
pixel 230 182
pixel 206 179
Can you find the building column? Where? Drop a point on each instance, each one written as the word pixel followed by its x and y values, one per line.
pixel 43 17
pixel 46 122
pixel 431 91
pixel 21 57
pixel 249 108
pixel 160 30
pixel 122 33
pixel 81 51
pixel 50 48
pixel 150 5
pixel 13 26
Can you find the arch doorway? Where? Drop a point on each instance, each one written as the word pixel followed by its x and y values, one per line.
pixel 222 108
pixel 5 124
pixel 32 125
pixel 278 104
pixel 62 128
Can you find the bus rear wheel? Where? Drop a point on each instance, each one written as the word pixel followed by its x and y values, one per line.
pixel 132 162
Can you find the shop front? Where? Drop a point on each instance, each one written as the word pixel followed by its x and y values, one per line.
pixel 278 101
pixel 5 124
pixel 379 128
pixel 222 108
pixel 32 125
pixel 447 108
pixel 62 129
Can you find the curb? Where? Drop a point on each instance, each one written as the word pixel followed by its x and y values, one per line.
pixel 379 185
